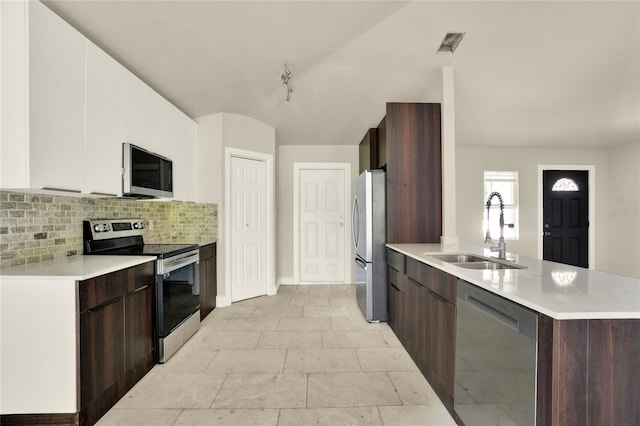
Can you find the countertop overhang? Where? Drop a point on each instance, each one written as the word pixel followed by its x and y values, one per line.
pixel 557 290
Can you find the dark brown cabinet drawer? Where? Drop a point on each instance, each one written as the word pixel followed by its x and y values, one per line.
pixel 101 290
pixel 417 271
pixel 395 260
pixel 442 284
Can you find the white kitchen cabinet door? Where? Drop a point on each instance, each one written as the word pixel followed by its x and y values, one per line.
pixel 105 117
pixel 192 145
pixel 136 111
pixel 182 152
pixel 57 55
pixel 13 87
pixel 160 111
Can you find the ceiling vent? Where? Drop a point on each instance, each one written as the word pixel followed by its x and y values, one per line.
pixel 450 42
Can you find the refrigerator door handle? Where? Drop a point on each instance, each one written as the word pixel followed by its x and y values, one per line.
pixel 355 228
pixel 361 264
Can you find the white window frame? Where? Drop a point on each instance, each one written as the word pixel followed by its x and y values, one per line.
pixel 502 176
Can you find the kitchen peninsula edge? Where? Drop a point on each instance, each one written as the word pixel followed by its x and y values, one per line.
pixel 557 290
pixel 588 369
pixel 49 311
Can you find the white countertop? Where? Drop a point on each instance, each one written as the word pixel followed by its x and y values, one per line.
pixel 76 268
pixel 554 289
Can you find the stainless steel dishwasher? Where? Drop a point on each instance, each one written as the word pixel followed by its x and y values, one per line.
pixel 496 359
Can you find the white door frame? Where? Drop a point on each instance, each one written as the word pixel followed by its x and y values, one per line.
pixel 592 206
pixel 297 167
pixel 271 287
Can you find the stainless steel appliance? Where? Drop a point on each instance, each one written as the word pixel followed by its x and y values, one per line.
pixel 145 174
pixel 177 289
pixel 496 359
pixel 369 238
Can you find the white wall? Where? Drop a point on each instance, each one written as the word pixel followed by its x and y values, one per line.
pixel 287 155
pixel 215 133
pixel 623 210
pixel 471 162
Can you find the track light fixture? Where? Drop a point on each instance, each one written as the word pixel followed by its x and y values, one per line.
pixel 286 77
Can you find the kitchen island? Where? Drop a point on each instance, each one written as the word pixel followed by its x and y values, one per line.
pixel 588 332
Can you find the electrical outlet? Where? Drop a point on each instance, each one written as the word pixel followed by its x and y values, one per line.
pixel 150 224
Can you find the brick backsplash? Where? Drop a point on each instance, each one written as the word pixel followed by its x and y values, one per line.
pixel 37 227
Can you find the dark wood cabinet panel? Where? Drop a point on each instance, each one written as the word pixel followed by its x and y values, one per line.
pixel 614 346
pixel 395 260
pixel 208 279
pixel 102 349
pixel 138 333
pixel 368 151
pixel 441 346
pixel 412 135
pixel 588 372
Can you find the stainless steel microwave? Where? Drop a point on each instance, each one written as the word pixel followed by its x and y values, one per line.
pixel 145 174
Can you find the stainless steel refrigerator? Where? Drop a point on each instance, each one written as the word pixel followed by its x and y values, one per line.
pixel 369 238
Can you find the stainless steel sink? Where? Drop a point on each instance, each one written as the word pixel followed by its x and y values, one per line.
pixel 472 261
pixel 488 265
pixel 458 257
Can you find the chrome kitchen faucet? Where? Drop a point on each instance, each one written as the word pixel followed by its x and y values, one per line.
pixel 501 248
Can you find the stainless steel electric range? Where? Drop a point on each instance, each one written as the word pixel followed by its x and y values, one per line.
pixel 177 289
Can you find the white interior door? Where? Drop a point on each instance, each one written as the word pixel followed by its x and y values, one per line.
pixel 248 228
pixel 322 225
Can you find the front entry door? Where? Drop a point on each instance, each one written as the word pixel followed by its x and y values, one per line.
pixel 565 215
pixel 322 225
pixel 248 228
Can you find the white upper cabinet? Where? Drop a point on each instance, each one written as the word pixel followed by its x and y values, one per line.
pixel 136 111
pixel 159 124
pixel 67 107
pixel 56 101
pixel 183 154
pixel 105 115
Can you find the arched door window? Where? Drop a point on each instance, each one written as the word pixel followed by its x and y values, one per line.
pixel 565 184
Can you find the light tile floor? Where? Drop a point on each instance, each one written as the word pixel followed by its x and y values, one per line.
pixel 303 357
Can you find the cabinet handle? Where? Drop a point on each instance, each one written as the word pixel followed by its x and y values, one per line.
pixel 437 296
pixel 107 194
pixel 392 285
pixel 50 188
pixel 138 289
pixel 414 282
pixel 104 304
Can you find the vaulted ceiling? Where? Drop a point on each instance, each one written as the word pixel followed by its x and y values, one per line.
pixel 552 73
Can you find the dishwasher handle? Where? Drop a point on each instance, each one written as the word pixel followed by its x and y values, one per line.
pixel 509 313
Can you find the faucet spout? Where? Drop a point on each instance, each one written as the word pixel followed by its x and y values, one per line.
pixel 501 248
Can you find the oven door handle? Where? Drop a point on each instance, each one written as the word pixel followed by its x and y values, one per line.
pixel 171 264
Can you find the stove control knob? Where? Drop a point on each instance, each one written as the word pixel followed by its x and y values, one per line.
pixel 141 225
pixel 136 225
pixel 97 228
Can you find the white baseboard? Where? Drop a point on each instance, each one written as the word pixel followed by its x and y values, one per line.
pixel 286 281
pixel 222 301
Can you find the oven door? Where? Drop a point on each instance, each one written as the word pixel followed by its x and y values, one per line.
pixel 178 302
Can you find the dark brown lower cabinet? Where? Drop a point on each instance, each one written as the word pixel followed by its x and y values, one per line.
pixel 588 370
pixel 102 349
pixel 138 333
pixel 423 318
pixel 116 337
pixel 208 280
